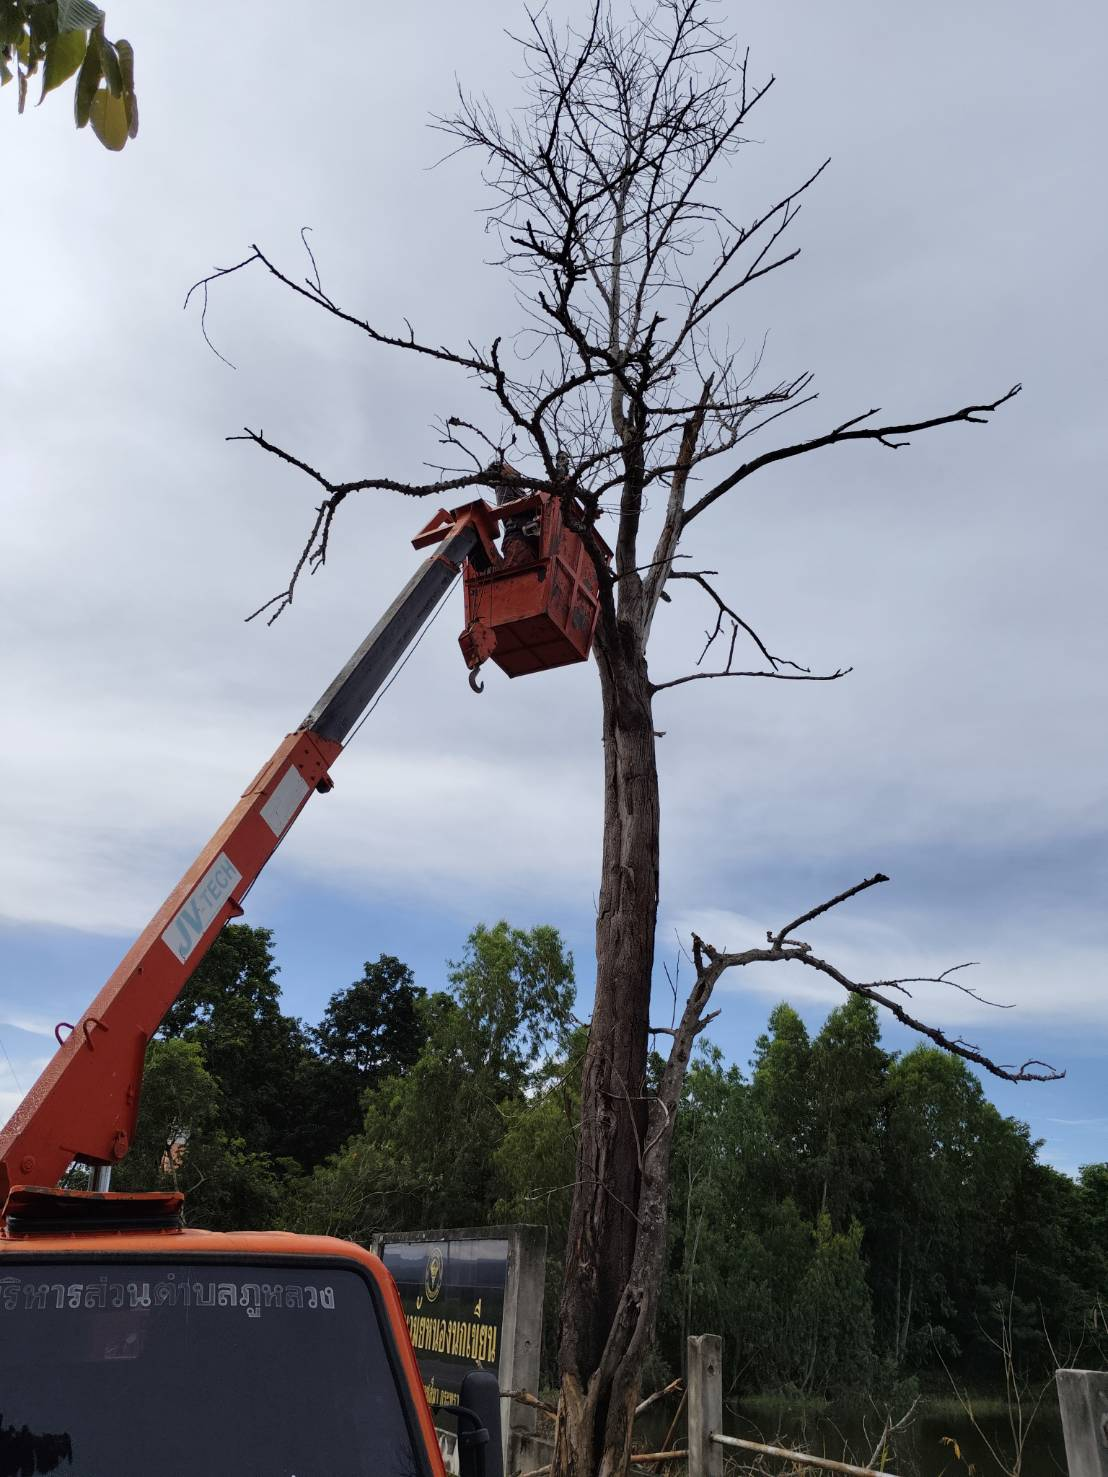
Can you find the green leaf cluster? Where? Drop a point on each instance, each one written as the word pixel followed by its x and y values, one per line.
pixel 389 1111
pixel 63 38
pixel 427 1152
pixel 185 1143
pixel 235 1090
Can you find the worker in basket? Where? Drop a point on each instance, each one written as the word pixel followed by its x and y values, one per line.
pixel 520 544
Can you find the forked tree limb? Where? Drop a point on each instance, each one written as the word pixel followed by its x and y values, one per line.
pixel 700 577
pixel 711 963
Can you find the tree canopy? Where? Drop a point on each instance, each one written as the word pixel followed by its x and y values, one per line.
pixel 426 1151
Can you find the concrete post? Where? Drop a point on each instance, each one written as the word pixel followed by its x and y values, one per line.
pixel 705 1385
pixel 522 1335
pixel 1083 1397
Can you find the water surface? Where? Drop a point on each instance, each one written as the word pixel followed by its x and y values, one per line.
pixel 849 1433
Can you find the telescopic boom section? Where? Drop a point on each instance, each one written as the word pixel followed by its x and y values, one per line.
pixel 85 1104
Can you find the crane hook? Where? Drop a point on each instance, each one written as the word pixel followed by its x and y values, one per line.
pixel 474 681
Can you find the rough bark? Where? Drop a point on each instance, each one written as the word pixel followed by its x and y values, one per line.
pixel 604 1222
pixel 597 1412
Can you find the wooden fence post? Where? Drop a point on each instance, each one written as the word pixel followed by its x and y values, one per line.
pixel 705 1353
pixel 1083 1397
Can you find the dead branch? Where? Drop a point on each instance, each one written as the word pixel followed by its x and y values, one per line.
pixel 799 1459
pixel 313 554
pixel 834 676
pixel 655 591
pixel 777 939
pixel 673 1388
pixel 786 209
pixel 339 490
pixel 723 609
pixel 888 1430
pixel 670 1434
pixel 314 294
pixel 848 431
pixel 711 963
pixel 945 979
pixel 525 1397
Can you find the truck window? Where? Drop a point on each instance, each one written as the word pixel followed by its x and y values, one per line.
pixel 114 1369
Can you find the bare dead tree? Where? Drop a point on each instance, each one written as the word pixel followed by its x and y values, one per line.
pixel 621 395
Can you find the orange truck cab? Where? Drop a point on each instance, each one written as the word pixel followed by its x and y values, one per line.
pixel 132 1347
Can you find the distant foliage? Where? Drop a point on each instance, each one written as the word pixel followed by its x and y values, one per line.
pixel 847 1217
pixel 63 38
pixel 184 1143
pixel 391 1111
pixel 426 1153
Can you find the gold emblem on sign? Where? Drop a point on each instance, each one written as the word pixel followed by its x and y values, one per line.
pixel 432 1279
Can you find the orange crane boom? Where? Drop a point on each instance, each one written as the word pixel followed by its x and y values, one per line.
pixel 84 1106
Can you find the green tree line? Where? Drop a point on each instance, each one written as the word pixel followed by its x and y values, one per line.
pixel 849 1217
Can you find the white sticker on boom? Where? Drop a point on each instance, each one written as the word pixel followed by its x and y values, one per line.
pixel 283 804
pixel 205 901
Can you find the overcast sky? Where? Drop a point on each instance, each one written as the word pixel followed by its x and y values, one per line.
pixel 956 244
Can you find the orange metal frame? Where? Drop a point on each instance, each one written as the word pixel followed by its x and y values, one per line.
pixel 532 616
pixel 483 517
pixel 528 616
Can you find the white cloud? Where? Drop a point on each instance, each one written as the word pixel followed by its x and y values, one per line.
pixel 962 577
pixel 22 1020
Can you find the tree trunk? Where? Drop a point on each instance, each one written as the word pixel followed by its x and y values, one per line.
pixel 896 1308
pixel 908 1313
pixel 599 1392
